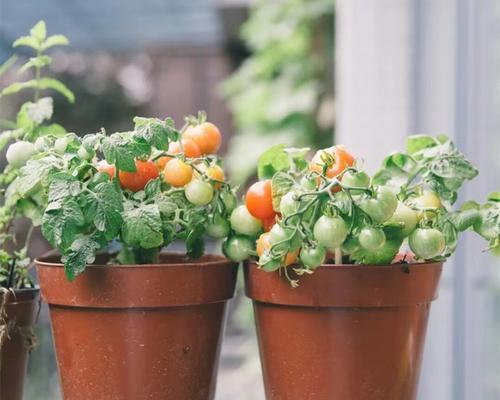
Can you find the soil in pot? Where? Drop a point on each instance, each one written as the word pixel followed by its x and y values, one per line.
pixel 18 312
pixel 139 331
pixel 346 333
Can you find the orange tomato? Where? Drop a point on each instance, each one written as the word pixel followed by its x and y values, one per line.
pixel 177 173
pixel 259 200
pixel 191 149
pixel 263 244
pixel 161 162
pixel 135 181
pixel 268 223
pixel 106 168
pixel 206 135
pixel 342 159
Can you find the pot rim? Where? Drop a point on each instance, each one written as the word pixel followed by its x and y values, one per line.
pixel 24 295
pixel 45 261
pixel 348 286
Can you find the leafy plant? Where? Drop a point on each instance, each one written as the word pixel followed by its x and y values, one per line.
pixel 133 195
pixel 26 136
pixel 284 91
pixel 329 208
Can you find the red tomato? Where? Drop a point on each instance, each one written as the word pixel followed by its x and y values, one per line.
pixel 259 200
pixel 135 181
pixel 268 223
pixel 342 159
pixel 106 168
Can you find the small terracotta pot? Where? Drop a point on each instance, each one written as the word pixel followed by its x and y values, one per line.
pixel 139 331
pixel 346 333
pixel 20 314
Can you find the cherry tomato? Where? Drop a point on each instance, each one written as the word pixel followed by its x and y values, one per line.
pixel 264 244
pixel 308 183
pixel 382 206
pixel 406 217
pixel 279 234
pixel 229 200
pixel 218 227
pixel 191 149
pixel 162 162
pixel 289 204
pixel 245 223
pixel 428 200
pixel 135 181
pixel 206 135
pixel 177 173
pixel 19 153
pixel 427 243
pixel 371 239
pixel 238 248
pixel 61 144
pixel 341 158
pixel 267 224
pixel 356 179
pixel 259 200
pixel 104 167
pixel 214 172
pixel 330 232
pixel 312 257
pixel 199 192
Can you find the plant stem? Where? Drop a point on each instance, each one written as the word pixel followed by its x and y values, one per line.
pixel 338 256
pixel 37 78
pixel 146 256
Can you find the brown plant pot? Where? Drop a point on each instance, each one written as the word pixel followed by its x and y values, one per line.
pixel 21 310
pixel 139 331
pixel 346 333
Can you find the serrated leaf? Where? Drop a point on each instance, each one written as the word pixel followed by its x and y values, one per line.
pixel 80 254
pixel 273 160
pixel 62 222
pixel 55 40
pixel 453 166
pixel 63 185
pixel 281 184
pixel 416 143
pixel 119 149
pixel 142 227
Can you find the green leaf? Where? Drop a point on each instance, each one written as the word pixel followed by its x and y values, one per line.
pixel 49 83
pixel 495 196
pixel 142 227
pixel 7 64
pixel 121 150
pixel 453 166
pixel 55 40
pixel 63 185
pixel 80 254
pixel 465 219
pixel 17 87
pixel 417 143
pixel 35 174
pixel 281 184
pixel 27 41
pixel 108 203
pixel 39 31
pixel 36 62
pixel 62 222
pixel 273 160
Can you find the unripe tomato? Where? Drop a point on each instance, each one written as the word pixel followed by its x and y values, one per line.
pixel 382 207
pixel 405 216
pixel 135 181
pixel 371 239
pixel 214 172
pixel 427 243
pixel 238 248
pixel 278 234
pixel 288 204
pixel 177 173
pixel 356 179
pixel 229 200
pixel 428 200
pixel 341 158
pixel 61 144
pixel 264 244
pixel 206 135
pixel 42 143
pixel 19 153
pixel 84 154
pixel 330 232
pixel 259 200
pixel 218 227
pixel 191 149
pixel 312 257
pixel 245 223
pixel 199 193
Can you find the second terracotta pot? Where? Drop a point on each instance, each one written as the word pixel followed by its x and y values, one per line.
pixel 139 331
pixel 21 309
pixel 346 333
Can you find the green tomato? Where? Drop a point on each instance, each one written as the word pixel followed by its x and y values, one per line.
pixel 383 256
pixel 218 227
pixel 312 257
pixel 199 193
pixel 288 204
pixel 238 248
pixel 350 245
pixel 84 154
pixel 245 223
pixel 279 234
pixel 382 207
pixel 406 217
pixel 356 179
pixel 41 144
pixel 229 200
pixel 61 144
pixel 427 243
pixel 371 239
pixel 330 232
pixel 19 153
pixel 269 264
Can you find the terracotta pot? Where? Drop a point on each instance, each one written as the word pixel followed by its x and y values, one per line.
pixel 139 331
pixel 21 311
pixel 346 333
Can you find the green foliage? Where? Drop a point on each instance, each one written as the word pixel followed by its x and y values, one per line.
pixel 284 90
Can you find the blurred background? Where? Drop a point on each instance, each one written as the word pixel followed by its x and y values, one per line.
pixel 307 73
